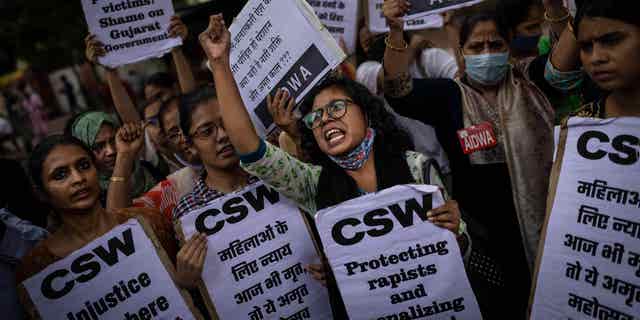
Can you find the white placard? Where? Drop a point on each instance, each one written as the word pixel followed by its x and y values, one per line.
pixel 279 44
pixel 131 31
pixel 258 244
pixel 340 17
pixel 390 262
pixel 117 276
pixel 378 24
pixel 421 8
pixel 590 265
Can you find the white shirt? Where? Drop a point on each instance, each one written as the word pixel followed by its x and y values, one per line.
pixel 434 63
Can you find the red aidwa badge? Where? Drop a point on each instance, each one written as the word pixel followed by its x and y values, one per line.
pixel 478 137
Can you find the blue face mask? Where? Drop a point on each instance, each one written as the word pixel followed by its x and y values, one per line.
pixel 525 44
pixel 487 69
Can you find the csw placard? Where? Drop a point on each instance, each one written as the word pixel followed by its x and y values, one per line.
pixel 258 245
pixel 589 262
pixel 279 44
pixel 390 262
pixel 378 24
pixel 421 8
pixel 340 17
pixel 124 274
pixel 131 30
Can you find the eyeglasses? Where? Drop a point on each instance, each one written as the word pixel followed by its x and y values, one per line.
pixel 206 131
pixel 336 109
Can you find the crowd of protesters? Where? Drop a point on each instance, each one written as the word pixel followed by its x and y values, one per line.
pixel 522 66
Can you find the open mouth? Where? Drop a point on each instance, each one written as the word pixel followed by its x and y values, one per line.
pixel 334 136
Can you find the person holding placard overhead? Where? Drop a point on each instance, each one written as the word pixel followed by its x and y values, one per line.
pixel 158 150
pixel 496 125
pixel 356 147
pixel 63 170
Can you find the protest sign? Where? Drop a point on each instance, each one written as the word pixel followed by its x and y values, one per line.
pixel 258 245
pixel 589 264
pixel 340 17
pixel 279 44
pixel 132 30
pixel 421 8
pixel 378 24
pixel 124 274
pixel 390 262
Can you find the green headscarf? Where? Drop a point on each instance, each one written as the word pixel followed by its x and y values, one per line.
pixel 86 128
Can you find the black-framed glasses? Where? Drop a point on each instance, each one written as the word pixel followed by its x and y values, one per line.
pixel 209 130
pixel 335 109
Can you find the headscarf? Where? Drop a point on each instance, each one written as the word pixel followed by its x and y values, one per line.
pixel 86 128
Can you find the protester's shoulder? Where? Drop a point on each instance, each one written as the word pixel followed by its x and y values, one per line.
pixel 589 110
pixel 35 261
pixel 436 55
pixel 186 203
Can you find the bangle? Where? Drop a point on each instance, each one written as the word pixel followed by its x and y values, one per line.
pixel 390 46
pixel 117 179
pixel 556 20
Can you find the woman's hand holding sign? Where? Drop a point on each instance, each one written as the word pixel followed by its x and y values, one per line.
pixel 177 28
pixel 281 108
pixel 94 49
pixel 216 40
pixel 393 10
pixel 446 216
pixel 190 260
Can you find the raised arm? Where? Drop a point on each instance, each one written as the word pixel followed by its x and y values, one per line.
pixel 129 141
pixel 121 99
pixel 397 55
pixel 291 177
pixel 185 74
pixel 215 41
pixel 564 56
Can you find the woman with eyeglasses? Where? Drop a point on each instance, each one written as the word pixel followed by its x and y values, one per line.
pixel 354 145
pixel 201 123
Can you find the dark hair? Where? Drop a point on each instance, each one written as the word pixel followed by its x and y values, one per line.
pixel 389 136
pixel 514 12
pixel 188 104
pixel 42 151
pixel 625 11
pixel 470 23
pixel 164 107
pixel 161 79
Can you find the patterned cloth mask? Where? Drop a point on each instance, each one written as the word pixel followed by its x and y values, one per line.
pixel 355 159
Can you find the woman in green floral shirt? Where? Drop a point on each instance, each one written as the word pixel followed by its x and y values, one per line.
pixel 355 146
